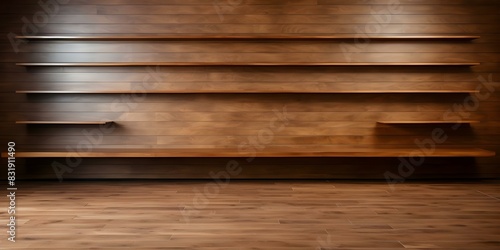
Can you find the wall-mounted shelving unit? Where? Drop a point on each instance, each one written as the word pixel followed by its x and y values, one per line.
pixel 287 152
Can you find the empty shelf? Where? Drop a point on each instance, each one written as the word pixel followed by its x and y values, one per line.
pixel 64 122
pixel 286 152
pixel 242 37
pixel 236 91
pixel 428 122
pixel 130 64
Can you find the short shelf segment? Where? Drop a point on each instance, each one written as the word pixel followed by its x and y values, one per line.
pixel 286 152
pixel 63 122
pixel 429 122
pixel 242 37
pixel 132 64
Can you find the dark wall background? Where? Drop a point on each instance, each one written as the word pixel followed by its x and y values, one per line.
pixel 227 120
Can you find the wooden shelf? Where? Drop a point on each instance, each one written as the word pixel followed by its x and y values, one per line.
pixel 131 64
pixel 236 91
pixel 240 37
pixel 286 152
pixel 428 122
pixel 63 122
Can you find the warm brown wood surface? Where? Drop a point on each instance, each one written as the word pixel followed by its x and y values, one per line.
pixel 348 64
pixel 244 37
pixel 236 91
pixel 64 122
pixel 282 215
pixel 272 152
pixel 427 122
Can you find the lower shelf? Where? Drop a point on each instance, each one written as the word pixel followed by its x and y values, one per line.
pixel 284 152
pixel 135 64
pixel 428 122
pixel 63 122
pixel 241 91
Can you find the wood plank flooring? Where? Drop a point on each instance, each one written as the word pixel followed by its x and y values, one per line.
pixel 255 215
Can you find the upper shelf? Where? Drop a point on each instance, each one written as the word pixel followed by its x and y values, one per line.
pixel 130 64
pixel 240 37
pixel 236 91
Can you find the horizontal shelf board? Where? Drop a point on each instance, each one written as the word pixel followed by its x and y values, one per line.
pixel 124 64
pixel 286 152
pixel 64 122
pixel 243 91
pixel 428 122
pixel 243 37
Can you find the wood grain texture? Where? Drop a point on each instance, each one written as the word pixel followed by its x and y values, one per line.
pixel 63 122
pixel 348 64
pixel 236 91
pixel 428 122
pixel 243 37
pixel 279 215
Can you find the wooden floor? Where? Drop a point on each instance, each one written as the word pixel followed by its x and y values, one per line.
pixel 255 215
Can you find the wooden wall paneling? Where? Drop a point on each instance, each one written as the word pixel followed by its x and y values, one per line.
pixel 403 29
pixel 383 46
